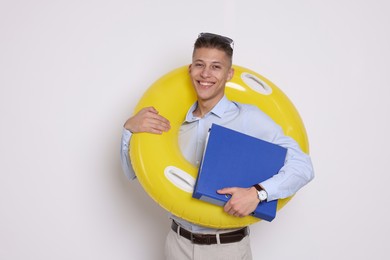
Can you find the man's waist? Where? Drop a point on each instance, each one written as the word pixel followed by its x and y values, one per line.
pixel 207 239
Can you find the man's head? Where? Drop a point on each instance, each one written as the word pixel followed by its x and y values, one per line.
pixel 215 41
pixel 211 68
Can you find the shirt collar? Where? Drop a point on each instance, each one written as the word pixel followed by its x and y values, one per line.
pixel 218 110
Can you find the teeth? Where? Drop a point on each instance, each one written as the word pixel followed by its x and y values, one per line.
pixel 206 83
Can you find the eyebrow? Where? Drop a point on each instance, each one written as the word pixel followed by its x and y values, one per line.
pixel 214 62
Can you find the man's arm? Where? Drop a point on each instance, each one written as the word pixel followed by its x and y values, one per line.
pixel 146 120
pixel 125 159
pixel 296 172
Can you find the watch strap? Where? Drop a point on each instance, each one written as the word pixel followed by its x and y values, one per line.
pixel 258 187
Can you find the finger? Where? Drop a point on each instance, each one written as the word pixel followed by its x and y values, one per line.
pixel 159 127
pixel 149 121
pixel 162 121
pixel 233 212
pixel 154 131
pixel 228 208
pixel 151 109
pixel 153 114
pixel 159 124
pixel 226 191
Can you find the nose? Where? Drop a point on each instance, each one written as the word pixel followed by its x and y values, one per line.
pixel 205 72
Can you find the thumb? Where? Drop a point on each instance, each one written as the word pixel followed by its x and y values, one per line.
pixel 226 191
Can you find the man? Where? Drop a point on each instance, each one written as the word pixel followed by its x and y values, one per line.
pixel 210 69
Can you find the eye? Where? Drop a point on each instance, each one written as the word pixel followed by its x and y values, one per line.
pixel 198 65
pixel 216 67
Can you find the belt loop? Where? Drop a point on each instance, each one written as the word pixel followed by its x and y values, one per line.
pixel 217 237
pixel 178 231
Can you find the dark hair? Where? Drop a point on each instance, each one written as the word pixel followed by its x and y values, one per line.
pixel 215 41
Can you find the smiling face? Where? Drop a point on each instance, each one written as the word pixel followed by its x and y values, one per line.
pixel 209 72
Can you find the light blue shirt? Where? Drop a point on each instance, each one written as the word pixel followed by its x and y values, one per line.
pixel 250 120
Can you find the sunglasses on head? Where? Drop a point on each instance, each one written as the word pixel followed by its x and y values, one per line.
pixel 225 39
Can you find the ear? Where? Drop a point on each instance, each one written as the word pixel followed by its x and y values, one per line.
pixel 230 74
pixel 189 68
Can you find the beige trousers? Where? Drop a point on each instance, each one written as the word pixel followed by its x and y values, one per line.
pixel 180 248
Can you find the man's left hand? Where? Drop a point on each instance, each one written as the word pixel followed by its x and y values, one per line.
pixel 243 201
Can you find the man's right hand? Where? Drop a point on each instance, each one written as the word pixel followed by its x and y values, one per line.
pixel 149 121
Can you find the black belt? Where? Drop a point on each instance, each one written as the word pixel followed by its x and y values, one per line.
pixel 208 239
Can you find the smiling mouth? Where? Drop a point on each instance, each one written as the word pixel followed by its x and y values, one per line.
pixel 205 84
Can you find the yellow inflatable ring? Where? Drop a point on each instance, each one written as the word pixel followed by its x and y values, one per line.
pixel 157 160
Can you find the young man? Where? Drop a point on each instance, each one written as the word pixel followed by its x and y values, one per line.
pixel 210 69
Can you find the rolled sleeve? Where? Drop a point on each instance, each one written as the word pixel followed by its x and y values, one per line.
pixel 296 173
pixel 125 159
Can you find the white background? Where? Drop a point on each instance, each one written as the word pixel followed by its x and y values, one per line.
pixel 71 73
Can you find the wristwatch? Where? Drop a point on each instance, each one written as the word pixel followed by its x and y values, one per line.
pixel 261 193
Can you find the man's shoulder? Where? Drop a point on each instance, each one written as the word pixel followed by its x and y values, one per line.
pixel 252 113
pixel 247 108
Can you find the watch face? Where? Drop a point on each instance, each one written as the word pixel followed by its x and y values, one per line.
pixel 262 195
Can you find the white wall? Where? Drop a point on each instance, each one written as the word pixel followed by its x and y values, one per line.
pixel 71 72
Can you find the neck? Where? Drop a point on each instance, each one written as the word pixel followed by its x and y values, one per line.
pixel 203 107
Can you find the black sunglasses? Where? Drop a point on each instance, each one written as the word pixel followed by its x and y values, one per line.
pixel 225 39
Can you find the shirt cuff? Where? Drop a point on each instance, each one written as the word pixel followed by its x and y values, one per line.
pixel 126 135
pixel 125 159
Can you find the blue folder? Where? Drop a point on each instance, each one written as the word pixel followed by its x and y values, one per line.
pixel 234 159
